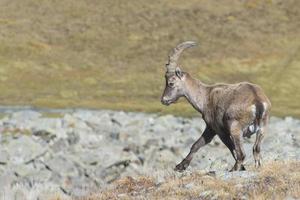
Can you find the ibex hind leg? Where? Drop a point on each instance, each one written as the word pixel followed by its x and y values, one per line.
pixel 256 147
pixel 236 136
pixel 230 145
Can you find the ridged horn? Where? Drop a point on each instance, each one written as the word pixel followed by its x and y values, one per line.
pixel 175 54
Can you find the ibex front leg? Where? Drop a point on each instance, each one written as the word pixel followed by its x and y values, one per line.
pixel 206 137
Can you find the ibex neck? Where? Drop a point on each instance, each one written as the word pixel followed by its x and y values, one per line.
pixel 196 93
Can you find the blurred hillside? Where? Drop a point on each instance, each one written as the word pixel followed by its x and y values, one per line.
pixel 111 54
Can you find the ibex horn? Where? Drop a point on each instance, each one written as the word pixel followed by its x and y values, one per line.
pixel 175 53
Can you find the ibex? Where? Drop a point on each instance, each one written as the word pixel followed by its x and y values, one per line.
pixel 231 111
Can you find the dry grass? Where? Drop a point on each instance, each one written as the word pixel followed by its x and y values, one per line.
pixel 275 180
pixel 111 54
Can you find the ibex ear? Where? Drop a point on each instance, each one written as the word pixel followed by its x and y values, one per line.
pixel 178 72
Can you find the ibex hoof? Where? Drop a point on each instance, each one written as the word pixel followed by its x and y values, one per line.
pixel 257 163
pixel 242 168
pixel 238 168
pixel 181 166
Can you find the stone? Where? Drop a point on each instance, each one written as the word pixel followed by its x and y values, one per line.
pixel 59 145
pixel 7 179
pixel 63 166
pixel 51 125
pixel 120 118
pixel 4 157
pixel 39 176
pixel 113 171
pixel 73 138
pixel 79 187
pixel 226 175
pixel 44 135
pixel 23 150
pixel 20 194
pixel 89 157
pixel 90 141
pixel 81 150
pixel 21 170
pixel 26 115
pixel 189 185
pixel 36 191
pixel 69 120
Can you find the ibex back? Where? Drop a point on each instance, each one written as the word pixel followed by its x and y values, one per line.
pixel 231 111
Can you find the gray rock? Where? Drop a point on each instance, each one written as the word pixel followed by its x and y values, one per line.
pixel 4 157
pixel 59 145
pixel 225 175
pixel 113 171
pixel 90 141
pixel 38 176
pixel 44 135
pixel 72 138
pixel 63 166
pixel 20 194
pixel 189 185
pixel 21 170
pixel 26 115
pixel 83 149
pixel 36 191
pixel 120 118
pixel 80 187
pixel 89 157
pixel 23 150
pixel 7 179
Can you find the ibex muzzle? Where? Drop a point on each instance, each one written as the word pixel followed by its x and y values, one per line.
pixel 230 111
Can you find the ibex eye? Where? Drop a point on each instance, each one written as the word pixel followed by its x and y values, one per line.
pixel 171 84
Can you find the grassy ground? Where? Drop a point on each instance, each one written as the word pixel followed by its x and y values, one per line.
pixel 275 180
pixel 111 54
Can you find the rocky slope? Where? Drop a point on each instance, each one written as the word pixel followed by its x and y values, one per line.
pixel 74 152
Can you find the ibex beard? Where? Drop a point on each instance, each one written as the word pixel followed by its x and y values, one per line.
pixel 231 111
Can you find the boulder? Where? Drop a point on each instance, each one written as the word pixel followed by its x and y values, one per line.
pixel 24 149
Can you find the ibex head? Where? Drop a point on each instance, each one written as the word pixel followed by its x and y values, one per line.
pixel 174 88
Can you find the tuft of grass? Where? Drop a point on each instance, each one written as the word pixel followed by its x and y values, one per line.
pixel 275 180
